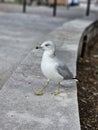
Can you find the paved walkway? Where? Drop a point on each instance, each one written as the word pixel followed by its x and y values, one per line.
pixel 93 6
pixel 62 11
pixel 19 34
pixel 20 109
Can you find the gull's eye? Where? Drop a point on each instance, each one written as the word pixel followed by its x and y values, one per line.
pixel 47 45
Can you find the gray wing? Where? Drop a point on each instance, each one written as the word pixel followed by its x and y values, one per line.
pixel 64 71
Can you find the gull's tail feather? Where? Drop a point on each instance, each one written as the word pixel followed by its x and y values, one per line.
pixel 76 78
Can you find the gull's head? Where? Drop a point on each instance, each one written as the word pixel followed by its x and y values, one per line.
pixel 47 45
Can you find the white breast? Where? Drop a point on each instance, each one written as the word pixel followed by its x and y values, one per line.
pixel 48 67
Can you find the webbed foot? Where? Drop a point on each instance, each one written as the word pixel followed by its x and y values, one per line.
pixel 56 92
pixel 39 92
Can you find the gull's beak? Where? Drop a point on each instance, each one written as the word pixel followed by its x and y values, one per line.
pixel 38 47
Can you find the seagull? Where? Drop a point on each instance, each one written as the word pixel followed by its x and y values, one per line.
pixel 52 67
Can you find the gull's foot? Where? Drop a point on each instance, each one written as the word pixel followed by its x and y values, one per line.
pixel 39 92
pixel 56 92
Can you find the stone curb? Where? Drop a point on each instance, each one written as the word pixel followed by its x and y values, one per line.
pixel 21 109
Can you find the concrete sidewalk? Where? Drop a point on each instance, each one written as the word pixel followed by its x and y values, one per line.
pixel 20 71
pixel 93 6
pixel 21 109
pixel 72 13
pixel 20 33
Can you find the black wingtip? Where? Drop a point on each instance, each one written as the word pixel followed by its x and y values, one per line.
pixel 76 78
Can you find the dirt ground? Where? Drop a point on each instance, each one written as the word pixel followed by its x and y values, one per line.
pixel 88 87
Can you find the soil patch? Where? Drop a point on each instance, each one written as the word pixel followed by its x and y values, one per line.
pixel 87 70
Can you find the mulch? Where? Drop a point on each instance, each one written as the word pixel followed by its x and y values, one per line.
pixel 87 71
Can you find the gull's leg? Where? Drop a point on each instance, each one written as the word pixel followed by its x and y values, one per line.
pixel 58 90
pixel 40 91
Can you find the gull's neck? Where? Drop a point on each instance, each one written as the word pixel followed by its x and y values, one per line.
pixel 49 53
